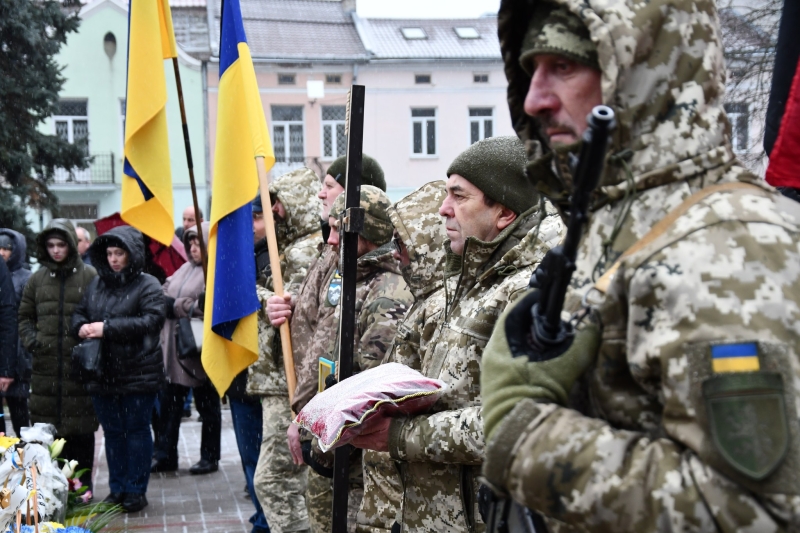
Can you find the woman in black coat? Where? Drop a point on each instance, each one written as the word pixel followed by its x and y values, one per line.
pixel 124 307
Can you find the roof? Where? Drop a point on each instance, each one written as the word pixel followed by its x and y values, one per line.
pixel 385 40
pixel 304 30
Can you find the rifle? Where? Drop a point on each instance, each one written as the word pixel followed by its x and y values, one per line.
pixel 551 336
pixel 352 223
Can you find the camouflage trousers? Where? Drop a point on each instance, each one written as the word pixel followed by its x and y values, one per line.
pixel 279 483
pixel 319 500
pixel 383 492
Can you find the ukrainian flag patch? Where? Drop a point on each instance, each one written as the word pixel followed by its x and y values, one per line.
pixel 741 357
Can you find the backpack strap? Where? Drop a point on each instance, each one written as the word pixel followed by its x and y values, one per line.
pixel 663 225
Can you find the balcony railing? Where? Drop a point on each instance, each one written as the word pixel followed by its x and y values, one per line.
pixel 101 171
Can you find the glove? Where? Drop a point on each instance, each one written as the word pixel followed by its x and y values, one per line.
pixel 330 381
pixel 514 369
pixel 321 465
pixel 169 306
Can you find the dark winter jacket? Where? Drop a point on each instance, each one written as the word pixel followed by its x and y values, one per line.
pixel 20 272
pixel 130 304
pixel 8 322
pixel 45 314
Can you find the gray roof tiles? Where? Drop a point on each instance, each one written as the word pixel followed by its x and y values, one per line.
pixel 320 30
pixel 386 39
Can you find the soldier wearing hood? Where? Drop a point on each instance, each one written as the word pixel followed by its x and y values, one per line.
pixel 45 312
pixel 688 359
pixel 497 233
pixel 280 484
pixel 16 392
pixel 418 239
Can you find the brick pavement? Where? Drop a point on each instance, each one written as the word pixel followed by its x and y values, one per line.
pixel 182 503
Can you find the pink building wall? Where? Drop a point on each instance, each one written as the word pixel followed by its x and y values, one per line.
pixel 391 93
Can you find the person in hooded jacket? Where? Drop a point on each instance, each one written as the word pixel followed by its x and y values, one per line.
pixel 17 391
pixel 182 291
pixel 124 307
pixel 48 301
pixel 8 331
pixel 674 407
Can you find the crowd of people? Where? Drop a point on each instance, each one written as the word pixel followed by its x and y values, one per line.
pixel 641 422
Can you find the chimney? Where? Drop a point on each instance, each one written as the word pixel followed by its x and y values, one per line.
pixel 349 6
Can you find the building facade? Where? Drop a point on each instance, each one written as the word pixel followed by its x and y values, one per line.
pixel 92 112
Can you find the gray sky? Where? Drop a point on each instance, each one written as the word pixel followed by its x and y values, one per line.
pixel 426 8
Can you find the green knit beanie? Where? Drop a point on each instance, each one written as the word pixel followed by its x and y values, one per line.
pixel 554 29
pixel 497 167
pixel 378 226
pixel 371 172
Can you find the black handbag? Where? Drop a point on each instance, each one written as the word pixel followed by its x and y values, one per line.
pixel 87 360
pixel 189 337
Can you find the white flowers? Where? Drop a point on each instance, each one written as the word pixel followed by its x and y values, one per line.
pixel 57 447
pixel 69 468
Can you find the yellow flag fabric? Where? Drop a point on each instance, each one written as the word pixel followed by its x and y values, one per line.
pixel 147 178
pixel 230 339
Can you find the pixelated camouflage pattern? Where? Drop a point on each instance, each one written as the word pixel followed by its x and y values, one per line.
pixel 319 499
pixel 441 452
pixel 556 30
pixel 375 202
pixel 416 219
pixel 280 484
pixel 642 458
pixel 382 300
pixel 298 238
pixel 313 326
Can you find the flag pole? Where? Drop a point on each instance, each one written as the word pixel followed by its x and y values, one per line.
pixel 188 147
pixel 277 279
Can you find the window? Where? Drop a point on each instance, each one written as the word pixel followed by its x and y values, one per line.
pixel 413 33
pixel 334 141
pixel 287 137
pixel 467 33
pixel 480 78
pixel 423 131
pixel 481 123
pixel 422 78
pixel 71 123
pixel 122 109
pixel 333 78
pixel 78 212
pixel 287 79
pixel 739 115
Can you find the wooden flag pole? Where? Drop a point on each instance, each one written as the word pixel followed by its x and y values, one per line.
pixel 277 278
pixel 188 147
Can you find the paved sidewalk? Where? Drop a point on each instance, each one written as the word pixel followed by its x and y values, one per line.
pixel 182 503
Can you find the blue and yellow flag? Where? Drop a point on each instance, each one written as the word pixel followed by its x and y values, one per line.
pixel 230 340
pixel 147 180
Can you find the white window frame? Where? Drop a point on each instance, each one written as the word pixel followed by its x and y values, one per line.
pixel 425 121
pixel 281 167
pixel 334 136
pixel 64 175
pixel 480 120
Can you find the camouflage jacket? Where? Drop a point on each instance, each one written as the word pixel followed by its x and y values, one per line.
pixel 441 452
pixel 313 325
pixel 668 435
pixel 416 219
pixel 382 299
pixel 298 237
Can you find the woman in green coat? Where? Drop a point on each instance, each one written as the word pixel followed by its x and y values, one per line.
pixel 45 316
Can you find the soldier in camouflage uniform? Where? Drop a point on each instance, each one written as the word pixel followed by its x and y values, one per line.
pixel 419 237
pixel 497 235
pixel 279 483
pixel 689 357
pixel 382 299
